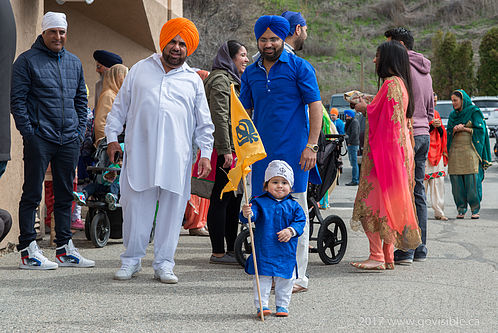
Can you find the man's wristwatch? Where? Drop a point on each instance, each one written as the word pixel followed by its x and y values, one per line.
pixel 314 148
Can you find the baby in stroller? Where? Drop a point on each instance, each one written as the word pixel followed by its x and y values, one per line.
pixel 106 183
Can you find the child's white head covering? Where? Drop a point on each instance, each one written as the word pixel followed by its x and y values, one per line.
pixel 54 20
pixel 279 168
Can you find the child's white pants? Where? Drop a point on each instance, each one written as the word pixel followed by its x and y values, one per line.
pixel 283 290
pixel 434 188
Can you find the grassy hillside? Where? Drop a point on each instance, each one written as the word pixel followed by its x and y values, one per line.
pixel 342 33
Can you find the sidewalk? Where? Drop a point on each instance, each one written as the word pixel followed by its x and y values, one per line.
pixel 455 290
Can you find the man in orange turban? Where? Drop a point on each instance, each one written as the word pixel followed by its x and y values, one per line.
pixel 163 103
pixel 339 124
pixel 182 27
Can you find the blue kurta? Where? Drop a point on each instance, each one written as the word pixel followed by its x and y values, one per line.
pixel 279 100
pixel 270 216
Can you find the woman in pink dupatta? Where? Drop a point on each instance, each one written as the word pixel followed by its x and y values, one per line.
pixel 384 204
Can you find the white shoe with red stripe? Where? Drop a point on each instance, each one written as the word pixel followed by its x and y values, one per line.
pixel 68 256
pixel 32 258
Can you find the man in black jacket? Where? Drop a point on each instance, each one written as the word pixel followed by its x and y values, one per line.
pixel 353 142
pixel 48 102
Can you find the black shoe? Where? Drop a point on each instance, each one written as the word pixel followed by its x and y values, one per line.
pixel 352 184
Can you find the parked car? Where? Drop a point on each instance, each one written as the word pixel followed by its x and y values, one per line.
pixel 337 101
pixel 487 104
pixel 444 107
pixel 492 123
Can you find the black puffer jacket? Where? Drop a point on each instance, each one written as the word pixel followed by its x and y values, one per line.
pixel 48 94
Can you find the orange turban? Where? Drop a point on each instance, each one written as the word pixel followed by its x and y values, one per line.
pixel 334 111
pixel 183 27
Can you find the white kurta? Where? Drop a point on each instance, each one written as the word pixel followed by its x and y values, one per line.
pixel 163 112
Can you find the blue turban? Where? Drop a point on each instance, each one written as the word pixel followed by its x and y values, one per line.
pixel 350 113
pixel 106 58
pixel 277 24
pixel 294 19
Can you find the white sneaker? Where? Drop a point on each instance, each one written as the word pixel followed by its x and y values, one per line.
pixel 32 258
pixel 165 277
pixel 68 256
pixel 126 272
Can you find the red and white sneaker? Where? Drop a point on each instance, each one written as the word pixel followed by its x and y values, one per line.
pixel 32 258
pixel 68 256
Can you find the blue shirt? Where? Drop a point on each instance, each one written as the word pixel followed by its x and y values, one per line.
pixel 279 100
pixel 339 125
pixel 270 216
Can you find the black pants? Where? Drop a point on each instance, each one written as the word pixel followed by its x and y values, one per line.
pixel 5 223
pixel 63 160
pixel 223 215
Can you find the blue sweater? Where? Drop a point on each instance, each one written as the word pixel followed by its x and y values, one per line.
pixel 48 94
pixel 270 216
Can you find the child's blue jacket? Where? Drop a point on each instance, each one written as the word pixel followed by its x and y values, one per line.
pixel 270 216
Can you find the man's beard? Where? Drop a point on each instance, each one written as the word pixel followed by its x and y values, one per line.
pixel 173 63
pixel 275 56
pixel 299 43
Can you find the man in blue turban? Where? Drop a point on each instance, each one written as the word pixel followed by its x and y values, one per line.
pixel 103 61
pixel 280 88
pixel 298 30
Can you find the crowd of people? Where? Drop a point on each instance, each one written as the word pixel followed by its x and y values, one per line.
pixel 173 115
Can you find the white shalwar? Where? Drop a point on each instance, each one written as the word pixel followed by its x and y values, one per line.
pixel 283 290
pixel 163 113
pixel 434 186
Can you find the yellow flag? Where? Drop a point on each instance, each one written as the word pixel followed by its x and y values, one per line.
pixel 248 145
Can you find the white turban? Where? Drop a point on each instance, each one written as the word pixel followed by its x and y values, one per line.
pixel 54 20
pixel 279 168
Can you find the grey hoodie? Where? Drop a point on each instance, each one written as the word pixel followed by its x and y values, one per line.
pixel 423 97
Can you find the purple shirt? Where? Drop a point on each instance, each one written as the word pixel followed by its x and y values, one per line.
pixel 423 97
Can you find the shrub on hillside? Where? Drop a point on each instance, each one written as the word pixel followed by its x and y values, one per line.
pixel 487 75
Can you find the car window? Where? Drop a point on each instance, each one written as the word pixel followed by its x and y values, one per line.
pixel 444 109
pixel 338 101
pixel 486 104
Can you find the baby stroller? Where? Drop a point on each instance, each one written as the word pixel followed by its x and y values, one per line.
pixel 101 223
pixel 332 234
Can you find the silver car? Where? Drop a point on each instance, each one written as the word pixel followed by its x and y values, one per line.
pixel 444 107
pixel 487 104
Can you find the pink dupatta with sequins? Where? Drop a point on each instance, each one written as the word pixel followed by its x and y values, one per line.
pixel 384 201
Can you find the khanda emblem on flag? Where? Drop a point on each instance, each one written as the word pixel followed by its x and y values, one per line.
pixel 246 133
pixel 246 140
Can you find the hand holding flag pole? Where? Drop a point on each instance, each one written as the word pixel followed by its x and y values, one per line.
pixel 249 149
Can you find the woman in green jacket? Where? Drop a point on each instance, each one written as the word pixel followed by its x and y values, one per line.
pixel 469 153
pixel 223 214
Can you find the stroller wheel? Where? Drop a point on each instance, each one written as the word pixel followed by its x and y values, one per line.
pixel 242 247
pixel 100 229
pixel 88 222
pixel 332 240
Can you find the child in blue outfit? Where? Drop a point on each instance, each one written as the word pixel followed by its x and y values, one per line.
pixel 279 221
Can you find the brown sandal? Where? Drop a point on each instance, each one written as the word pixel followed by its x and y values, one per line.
pixel 474 216
pixel 460 216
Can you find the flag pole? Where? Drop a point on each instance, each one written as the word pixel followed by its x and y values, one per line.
pixel 254 254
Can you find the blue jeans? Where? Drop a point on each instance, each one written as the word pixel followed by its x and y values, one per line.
pixel 63 160
pixel 353 160
pixel 421 150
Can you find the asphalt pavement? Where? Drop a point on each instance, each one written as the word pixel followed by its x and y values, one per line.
pixel 455 290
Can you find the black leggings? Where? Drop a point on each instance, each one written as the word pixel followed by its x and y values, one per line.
pixel 223 215
pixel 5 223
